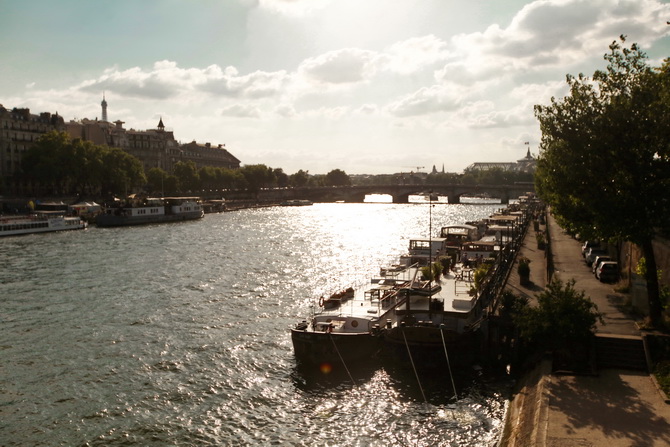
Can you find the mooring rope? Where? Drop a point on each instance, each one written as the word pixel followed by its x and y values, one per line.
pixel 413 367
pixel 444 344
pixel 341 359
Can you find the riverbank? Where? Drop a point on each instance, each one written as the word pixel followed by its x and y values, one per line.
pixel 613 408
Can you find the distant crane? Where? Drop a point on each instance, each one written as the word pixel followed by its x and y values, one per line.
pixel 417 167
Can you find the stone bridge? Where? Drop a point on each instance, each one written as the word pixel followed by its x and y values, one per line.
pixel 399 193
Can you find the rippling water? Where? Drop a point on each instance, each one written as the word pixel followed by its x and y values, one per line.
pixel 178 334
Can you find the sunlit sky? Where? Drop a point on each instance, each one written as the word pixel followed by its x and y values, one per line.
pixel 366 86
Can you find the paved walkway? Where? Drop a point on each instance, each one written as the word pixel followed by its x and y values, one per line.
pixel 617 408
pixel 569 264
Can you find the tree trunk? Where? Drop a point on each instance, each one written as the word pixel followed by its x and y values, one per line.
pixel 655 308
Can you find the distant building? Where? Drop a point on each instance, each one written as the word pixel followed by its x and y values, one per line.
pixel 104 108
pixel 435 171
pixel 526 164
pixel 19 130
pixel 155 148
pixel 208 155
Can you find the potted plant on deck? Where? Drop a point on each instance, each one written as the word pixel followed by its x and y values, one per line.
pixel 445 261
pixel 524 271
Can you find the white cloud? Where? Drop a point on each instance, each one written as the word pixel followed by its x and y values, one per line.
pixel 166 80
pixel 293 8
pixel 340 73
pixel 368 109
pixel 415 54
pixel 348 65
pixel 285 110
pixel 258 84
pixel 241 111
pixel 436 98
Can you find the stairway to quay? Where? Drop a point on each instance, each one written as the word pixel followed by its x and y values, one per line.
pixel 620 403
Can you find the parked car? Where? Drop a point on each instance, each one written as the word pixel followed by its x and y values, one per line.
pixel 608 271
pixel 589 244
pixel 598 260
pixel 592 253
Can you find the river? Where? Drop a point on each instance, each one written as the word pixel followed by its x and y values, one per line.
pixel 178 334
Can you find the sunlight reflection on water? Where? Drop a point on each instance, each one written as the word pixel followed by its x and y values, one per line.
pixel 178 334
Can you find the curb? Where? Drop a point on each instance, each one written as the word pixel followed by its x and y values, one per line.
pixel 664 396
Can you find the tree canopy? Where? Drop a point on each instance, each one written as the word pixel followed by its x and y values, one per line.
pixel 337 177
pixel 57 165
pixel 604 164
pixel 563 316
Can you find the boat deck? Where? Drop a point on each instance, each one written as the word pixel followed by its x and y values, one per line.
pixel 367 302
pixel 455 293
pixel 372 300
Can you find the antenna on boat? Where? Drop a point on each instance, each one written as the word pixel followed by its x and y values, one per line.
pixel 430 227
pixel 430 253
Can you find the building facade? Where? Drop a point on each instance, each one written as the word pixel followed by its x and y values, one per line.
pixel 155 148
pixel 19 130
pixel 526 164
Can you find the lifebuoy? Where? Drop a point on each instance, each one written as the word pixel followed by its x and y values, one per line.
pixel 321 301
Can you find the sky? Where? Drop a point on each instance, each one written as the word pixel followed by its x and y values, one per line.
pixel 365 86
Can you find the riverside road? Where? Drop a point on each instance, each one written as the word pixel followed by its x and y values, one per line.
pixel 614 408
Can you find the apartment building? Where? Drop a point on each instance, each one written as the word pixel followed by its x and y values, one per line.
pixel 19 130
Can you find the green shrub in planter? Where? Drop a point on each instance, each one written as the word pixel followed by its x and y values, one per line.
pixel 524 270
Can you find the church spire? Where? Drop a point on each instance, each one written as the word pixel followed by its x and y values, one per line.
pixel 160 124
pixel 104 107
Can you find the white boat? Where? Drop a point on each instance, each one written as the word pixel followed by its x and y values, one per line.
pixel 422 250
pixel 345 327
pixel 445 325
pixel 297 202
pixel 456 235
pixel 44 222
pixel 141 211
pixel 427 326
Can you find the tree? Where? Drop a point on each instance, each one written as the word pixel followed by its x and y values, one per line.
pixel 300 178
pixel 604 164
pixel 281 177
pixel 156 178
pixel 58 165
pixel 316 181
pixel 42 163
pixel 231 178
pixel 258 176
pixel 122 172
pixel 208 177
pixel 337 177
pixel 186 173
pixel 562 320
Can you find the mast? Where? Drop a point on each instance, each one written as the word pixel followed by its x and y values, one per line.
pixel 430 253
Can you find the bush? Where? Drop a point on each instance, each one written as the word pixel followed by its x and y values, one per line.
pixel 662 373
pixel 445 261
pixel 564 319
pixel 524 267
pixel 432 271
pixel 480 274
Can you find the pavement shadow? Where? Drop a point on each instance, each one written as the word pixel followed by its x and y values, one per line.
pixel 622 303
pixel 533 288
pixel 610 405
